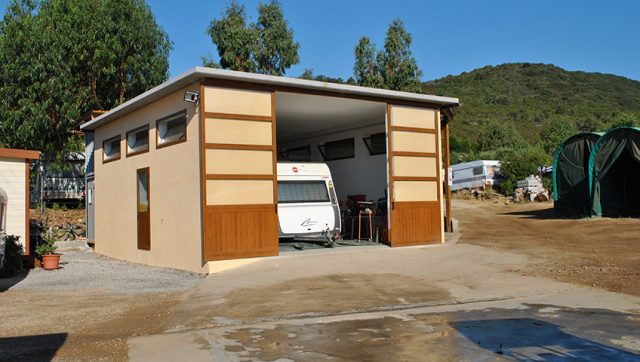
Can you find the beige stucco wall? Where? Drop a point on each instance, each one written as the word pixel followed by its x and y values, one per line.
pixel 413 141
pixel 246 162
pixel 237 101
pixel 415 166
pixel 413 117
pixel 415 191
pixel 174 191
pixel 238 132
pixel 12 180
pixel 239 192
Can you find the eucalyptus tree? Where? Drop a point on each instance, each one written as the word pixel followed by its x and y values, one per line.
pixel 266 46
pixel 62 58
pixel 393 67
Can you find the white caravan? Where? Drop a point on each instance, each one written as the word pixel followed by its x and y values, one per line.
pixel 472 174
pixel 307 202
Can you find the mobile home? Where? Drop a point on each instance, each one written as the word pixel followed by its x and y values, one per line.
pixel 467 175
pixel 185 175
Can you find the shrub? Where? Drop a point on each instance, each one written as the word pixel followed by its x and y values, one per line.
pixel 520 165
pixel 498 135
pixel 46 246
pixel 12 256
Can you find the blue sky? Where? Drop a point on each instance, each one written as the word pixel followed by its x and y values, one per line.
pixel 450 37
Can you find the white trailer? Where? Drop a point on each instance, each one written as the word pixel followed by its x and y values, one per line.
pixel 474 174
pixel 307 202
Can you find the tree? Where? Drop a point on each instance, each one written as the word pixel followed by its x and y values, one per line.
pixel 555 132
pixel 622 120
pixel 366 70
pixel 62 58
pixel 398 67
pixel 392 68
pixel 519 165
pixel 265 47
pixel 277 51
pixel 235 39
pixel 308 74
pixel 499 135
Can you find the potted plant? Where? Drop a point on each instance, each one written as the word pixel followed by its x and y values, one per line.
pixel 47 250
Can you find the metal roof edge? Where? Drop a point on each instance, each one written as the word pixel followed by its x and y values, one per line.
pixel 197 73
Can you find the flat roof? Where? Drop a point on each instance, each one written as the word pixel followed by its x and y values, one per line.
pixel 196 74
pixel 16 153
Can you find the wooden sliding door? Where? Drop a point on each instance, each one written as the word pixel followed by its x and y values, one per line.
pixel 414 175
pixel 239 173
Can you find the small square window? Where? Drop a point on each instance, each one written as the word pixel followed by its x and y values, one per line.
pixel 138 141
pixel 172 129
pixel 111 149
pixel 478 171
pixel 297 154
pixel 376 143
pixel 338 150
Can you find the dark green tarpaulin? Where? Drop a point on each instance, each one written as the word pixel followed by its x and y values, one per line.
pixel 614 169
pixel 571 175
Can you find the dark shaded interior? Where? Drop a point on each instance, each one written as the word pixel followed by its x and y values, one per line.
pixel 619 191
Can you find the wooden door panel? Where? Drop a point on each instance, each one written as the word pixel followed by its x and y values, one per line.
pixel 240 231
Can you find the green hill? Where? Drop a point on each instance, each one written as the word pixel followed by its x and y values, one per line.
pixel 530 95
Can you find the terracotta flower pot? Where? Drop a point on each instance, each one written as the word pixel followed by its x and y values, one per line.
pixel 51 261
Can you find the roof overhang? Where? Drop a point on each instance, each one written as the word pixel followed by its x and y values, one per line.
pixel 21 154
pixel 196 74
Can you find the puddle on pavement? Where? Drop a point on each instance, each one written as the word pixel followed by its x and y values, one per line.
pixel 490 334
pixel 384 339
pixel 326 295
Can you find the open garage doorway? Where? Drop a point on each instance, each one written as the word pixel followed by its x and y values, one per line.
pixel 345 202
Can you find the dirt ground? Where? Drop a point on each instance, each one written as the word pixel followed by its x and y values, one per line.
pixel 599 252
pixel 87 309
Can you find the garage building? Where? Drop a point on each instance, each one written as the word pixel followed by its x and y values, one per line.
pixel 185 174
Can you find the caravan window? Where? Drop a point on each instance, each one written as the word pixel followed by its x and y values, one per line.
pixel 3 216
pixel 478 171
pixel 302 191
pixel 338 150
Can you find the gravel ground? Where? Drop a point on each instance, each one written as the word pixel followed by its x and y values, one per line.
pixel 86 270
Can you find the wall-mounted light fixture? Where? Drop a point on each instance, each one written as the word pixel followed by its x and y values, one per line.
pixel 191 97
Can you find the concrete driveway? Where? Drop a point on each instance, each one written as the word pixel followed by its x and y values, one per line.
pixel 445 302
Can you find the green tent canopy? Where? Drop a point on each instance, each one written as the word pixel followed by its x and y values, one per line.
pixel 614 173
pixel 571 174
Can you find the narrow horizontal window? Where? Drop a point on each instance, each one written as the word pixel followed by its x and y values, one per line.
pixel 138 141
pixel 338 150
pixel 172 129
pixel 296 154
pixel 376 143
pixel 111 149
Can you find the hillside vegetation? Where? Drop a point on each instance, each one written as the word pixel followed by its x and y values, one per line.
pixel 528 96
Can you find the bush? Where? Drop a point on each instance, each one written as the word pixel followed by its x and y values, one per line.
pixel 555 132
pixel 12 256
pixel 46 246
pixel 520 165
pixel 499 135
